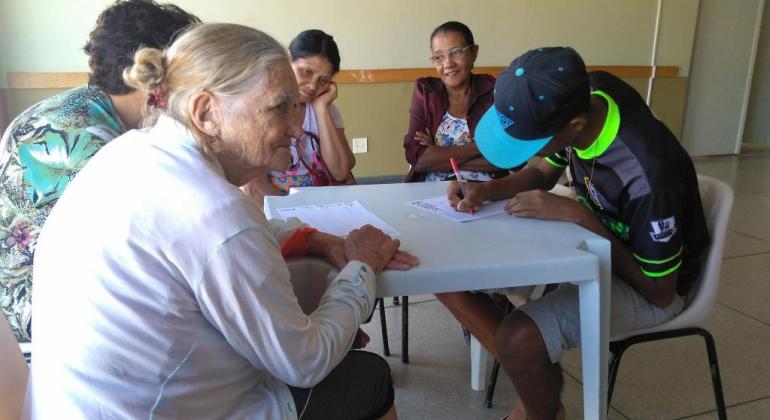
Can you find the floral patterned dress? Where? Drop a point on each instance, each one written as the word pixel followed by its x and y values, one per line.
pixel 40 153
pixel 298 174
pixel 454 132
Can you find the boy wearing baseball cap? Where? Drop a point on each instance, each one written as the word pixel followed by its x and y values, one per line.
pixel 636 186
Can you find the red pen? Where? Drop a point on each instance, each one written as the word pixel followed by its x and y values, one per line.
pixel 459 177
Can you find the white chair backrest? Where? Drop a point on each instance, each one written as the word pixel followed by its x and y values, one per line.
pixel 13 374
pixel 310 278
pixel 717 199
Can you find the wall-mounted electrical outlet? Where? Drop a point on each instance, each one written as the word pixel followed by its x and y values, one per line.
pixel 359 145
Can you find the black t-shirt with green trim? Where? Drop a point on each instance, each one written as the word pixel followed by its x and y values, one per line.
pixel 641 183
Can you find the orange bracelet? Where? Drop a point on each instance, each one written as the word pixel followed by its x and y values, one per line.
pixel 297 244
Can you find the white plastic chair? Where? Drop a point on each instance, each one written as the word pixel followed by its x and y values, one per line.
pixel 13 374
pixel 717 200
pixel 26 350
pixel 307 276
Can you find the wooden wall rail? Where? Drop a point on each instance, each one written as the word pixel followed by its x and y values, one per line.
pixel 68 80
pixel 409 75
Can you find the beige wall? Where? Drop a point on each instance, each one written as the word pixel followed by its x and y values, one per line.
pixel 758 118
pixel 381 113
pixel 392 34
pixel 380 34
pixel 723 62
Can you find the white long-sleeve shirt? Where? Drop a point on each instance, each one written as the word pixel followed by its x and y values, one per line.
pixel 160 292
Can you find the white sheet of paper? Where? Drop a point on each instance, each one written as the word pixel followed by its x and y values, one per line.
pixel 337 218
pixel 440 206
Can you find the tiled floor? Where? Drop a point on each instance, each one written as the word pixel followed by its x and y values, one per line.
pixel 662 380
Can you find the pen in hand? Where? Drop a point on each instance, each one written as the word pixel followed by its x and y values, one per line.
pixel 459 177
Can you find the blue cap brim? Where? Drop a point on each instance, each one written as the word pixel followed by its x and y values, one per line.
pixel 499 147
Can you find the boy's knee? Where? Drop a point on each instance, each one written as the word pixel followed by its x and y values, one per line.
pixel 518 339
pixel 450 297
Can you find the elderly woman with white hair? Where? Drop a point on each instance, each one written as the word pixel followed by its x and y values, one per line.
pixel 178 301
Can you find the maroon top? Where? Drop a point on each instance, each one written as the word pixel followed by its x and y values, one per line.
pixel 429 104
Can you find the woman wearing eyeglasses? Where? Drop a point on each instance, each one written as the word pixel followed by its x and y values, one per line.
pixel 322 155
pixel 446 109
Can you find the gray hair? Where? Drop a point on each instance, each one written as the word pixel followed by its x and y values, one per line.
pixel 225 59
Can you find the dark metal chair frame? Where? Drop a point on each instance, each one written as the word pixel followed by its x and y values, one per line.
pixel 404 303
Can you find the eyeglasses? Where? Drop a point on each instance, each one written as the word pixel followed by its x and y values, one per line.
pixel 454 54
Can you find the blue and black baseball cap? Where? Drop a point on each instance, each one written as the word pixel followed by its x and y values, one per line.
pixel 534 98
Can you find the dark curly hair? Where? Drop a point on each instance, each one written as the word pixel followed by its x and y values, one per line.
pixel 314 42
pixel 122 29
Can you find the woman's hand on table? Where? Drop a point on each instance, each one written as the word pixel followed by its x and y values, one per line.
pixel 373 247
pixel 402 261
pixel 332 249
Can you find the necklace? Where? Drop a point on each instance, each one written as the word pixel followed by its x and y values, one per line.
pixel 587 180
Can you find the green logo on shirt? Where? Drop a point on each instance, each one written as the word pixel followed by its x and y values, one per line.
pixel 619 229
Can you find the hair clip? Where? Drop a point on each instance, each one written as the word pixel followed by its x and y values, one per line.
pixel 158 97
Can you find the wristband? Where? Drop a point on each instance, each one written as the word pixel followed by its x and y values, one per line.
pixel 297 244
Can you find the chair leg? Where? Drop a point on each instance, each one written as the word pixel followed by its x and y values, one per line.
pixel 617 349
pixel 509 307
pixel 405 329
pixel 395 301
pixel 479 356
pixel 491 385
pixel 384 325
pixel 716 380
pixel 616 352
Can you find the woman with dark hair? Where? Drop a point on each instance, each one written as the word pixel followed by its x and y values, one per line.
pixel 443 117
pixel 321 156
pixel 44 147
pixel 446 109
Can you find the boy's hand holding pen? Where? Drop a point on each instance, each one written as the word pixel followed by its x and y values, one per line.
pixel 457 195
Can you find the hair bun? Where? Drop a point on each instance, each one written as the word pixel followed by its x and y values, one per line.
pixel 148 71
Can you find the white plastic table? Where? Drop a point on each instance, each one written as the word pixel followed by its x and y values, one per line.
pixel 500 251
